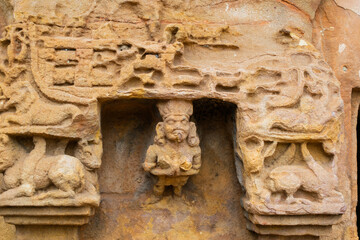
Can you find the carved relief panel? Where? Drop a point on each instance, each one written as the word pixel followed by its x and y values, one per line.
pixel 287 135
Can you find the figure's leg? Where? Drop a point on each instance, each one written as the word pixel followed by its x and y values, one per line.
pixel 332 196
pixel 21 120
pixel 20 191
pixel 61 146
pixel 59 193
pixel 8 119
pixel 266 195
pixel 66 184
pixel 290 198
pixel 91 182
pixel 181 181
pixel 338 195
pixel 158 191
pixel 159 187
pixel 177 190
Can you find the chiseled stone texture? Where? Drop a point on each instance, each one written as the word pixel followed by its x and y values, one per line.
pixel 262 91
pixel 336 30
pixel 7 231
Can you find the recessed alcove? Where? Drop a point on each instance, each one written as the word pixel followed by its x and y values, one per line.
pixel 212 208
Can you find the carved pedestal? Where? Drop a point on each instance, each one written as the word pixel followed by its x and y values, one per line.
pixel 311 225
pixel 44 232
pixel 47 222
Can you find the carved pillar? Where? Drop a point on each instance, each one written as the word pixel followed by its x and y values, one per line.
pixel 47 222
pixel 50 148
pixel 289 147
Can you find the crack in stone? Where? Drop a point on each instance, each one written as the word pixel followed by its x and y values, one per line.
pixel 345 8
pixel 295 8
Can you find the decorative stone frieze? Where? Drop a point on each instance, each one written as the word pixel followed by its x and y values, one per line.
pixel 288 124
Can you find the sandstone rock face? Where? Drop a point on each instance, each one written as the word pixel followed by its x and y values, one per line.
pixel 165 119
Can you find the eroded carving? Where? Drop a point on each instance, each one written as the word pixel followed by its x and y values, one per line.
pixel 291 176
pixel 289 115
pixel 176 154
pixel 26 101
pixel 43 175
pixel 289 128
pixel 312 178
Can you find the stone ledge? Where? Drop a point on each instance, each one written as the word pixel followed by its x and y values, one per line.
pixel 81 199
pixel 299 230
pixel 295 209
pixel 47 215
pixel 293 220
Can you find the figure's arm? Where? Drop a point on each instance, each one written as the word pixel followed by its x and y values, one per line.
pixel 196 164
pixel 150 159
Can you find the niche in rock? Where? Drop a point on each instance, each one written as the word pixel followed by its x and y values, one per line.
pixel 210 207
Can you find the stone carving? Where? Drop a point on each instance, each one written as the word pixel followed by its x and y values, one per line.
pixel 176 154
pixel 298 179
pixel 26 102
pixel 311 112
pixel 254 152
pixel 288 122
pixel 59 174
pixel 288 133
pixel 283 175
pixel 312 178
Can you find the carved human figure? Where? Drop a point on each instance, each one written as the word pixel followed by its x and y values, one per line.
pixel 176 154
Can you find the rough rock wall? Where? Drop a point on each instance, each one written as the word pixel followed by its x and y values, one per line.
pixel 335 33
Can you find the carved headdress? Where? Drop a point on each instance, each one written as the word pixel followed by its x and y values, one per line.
pixel 175 107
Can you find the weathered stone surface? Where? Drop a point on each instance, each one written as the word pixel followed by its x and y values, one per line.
pixel 251 131
pixel 336 29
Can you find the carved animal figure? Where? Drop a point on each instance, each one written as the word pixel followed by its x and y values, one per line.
pixel 253 151
pixel 28 105
pixel 66 173
pixel 313 178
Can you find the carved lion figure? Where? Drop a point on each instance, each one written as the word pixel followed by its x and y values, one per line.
pixel 37 170
pixel 311 178
pixel 27 103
